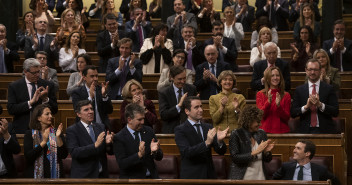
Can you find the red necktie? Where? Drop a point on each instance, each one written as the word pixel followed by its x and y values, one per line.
pixel 313 109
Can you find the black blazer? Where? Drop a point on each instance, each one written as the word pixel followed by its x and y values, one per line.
pixel 85 157
pixel 126 152
pixel 346 57
pixel 125 6
pixel 281 14
pixel 203 86
pixel 246 20
pixel 7 150
pixel 32 153
pixel 196 158
pixel 167 107
pixel 114 81
pixel 197 53
pixel 319 173
pixel 231 55
pixel 17 104
pixel 327 95
pixel 258 73
pixel 11 56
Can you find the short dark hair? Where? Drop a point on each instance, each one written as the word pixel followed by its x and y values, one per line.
pixel 177 51
pixel 86 57
pixel 187 104
pixel 40 53
pixel 38 111
pixel 159 27
pixel 217 23
pixel 80 104
pixel 339 21
pixel 310 147
pixel 313 60
pixel 189 26
pixel 85 70
pixel 175 70
pixel 132 109
pixel 124 41
pixel 248 115
pixel 109 16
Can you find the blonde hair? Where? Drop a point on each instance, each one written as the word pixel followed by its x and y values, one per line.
pixel 262 30
pixel 126 90
pixel 316 52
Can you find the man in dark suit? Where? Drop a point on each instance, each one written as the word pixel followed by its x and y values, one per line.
pixel 276 10
pixel 226 47
pixel 171 99
pixel 123 68
pixel 303 168
pixel 207 73
pixel 47 73
pixel 8 146
pixel 244 14
pixel 136 146
pixel 107 41
pixel 315 102
pixel 339 48
pixel 296 8
pixel 88 145
pixel 8 52
pixel 195 140
pixel 270 52
pixel 138 29
pixel 125 6
pixel 28 92
pixel 41 41
pixel 97 94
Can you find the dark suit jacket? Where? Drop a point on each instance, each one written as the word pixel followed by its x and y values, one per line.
pixel 319 173
pixel 125 8
pixel 52 55
pixel 196 158
pixel 85 157
pixel 7 150
pixel 246 20
pixel 167 107
pixel 231 55
pixel 126 152
pixel 327 95
pixel 114 81
pixel 203 86
pixel 346 57
pixel 147 29
pixel 104 107
pixel 105 51
pixel 17 104
pixel 11 56
pixel 281 14
pixel 258 73
pixel 197 53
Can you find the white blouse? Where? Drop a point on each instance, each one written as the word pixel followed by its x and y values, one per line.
pixel 255 55
pixel 235 32
pixel 66 60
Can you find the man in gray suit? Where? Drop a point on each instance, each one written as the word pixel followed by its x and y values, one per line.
pixel 46 73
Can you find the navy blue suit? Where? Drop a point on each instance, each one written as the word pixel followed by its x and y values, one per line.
pixel 346 57
pixel 134 34
pixel 11 56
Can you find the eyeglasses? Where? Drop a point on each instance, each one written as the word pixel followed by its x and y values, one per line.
pixel 41 58
pixel 34 72
pixel 42 22
pixel 180 57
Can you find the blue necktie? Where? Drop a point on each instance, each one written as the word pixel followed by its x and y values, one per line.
pixel 41 44
pixel 221 56
pixel 91 132
pixel 136 137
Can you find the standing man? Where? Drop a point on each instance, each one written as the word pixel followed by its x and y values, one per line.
pixel 195 140
pixel 47 73
pixel 303 168
pixel 123 68
pixel 315 103
pixel 136 146
pixel 244 14
pixel 28 92
pixel 171 99
pixel 339 48
pixel 226 47
pixel 88 145
pixel 95 93
pixel 276 10
pixel 8 52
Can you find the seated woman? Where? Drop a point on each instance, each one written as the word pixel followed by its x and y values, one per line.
pixel 302 49
pixel 68 54
pixel 249 147
pixel 207 16
pixel 44 146
pixel 179 58
pixel 132 92
pixel 257 53
pixel 109 7
pixel 26 30
pixel 307 19
pixel 40 9
pixel 275 102
pixel 226 106
pixel 156 51
pixel 68 25
pixel 81 16
pixel 155 9
pixel 263 21
pixel 329 74
pixel 76 78
pixel 233 29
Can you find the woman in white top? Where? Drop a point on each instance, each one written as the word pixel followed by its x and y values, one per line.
pixel 232 28
pixel 257 53
pixel 68 54
pixel 263 21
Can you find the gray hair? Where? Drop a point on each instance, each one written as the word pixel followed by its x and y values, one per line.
pixel 30 62
pixel 269 44
pixel 2 25
pixel 188 26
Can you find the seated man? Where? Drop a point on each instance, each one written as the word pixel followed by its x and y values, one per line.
pixel 136 146
pixel 97 94
pixel 8 52
pixel 270 52
pixel 207 73
pixel 88 145
pixel 123 68
pixel 303 168
pixel 195 140
pixel 171 99
pixel 47 73
pixel 315 102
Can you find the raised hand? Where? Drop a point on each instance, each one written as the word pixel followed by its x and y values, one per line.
pixel 104 88
pixel 270 145
pixel 270 96
pixel 141 148
pixel 261 147
pixel 221 134
pixel 45 72
pixel 235 103
pixel 4 132
pixel 206 74
pixel 44 93
pixel 210 136
pixel 223 101
pixel 99 140
pixel 182 99
pixel 35 40
pixel 59 130
pixel 45 137
pixel 109 137
pixel 308 48
pixel 132 60
pixel 278 99
pixel 92 90
pixel 154 146
pixel 121 63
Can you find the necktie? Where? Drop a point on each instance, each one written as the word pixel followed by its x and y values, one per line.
pixel 313 115
pixel 33 89
pixel 136 137
pixel 221 56
pixel 2 61
pixel 198 131
pixel 213 84
pixel 124 74
pixel 41 44
pixel 300 173
pixel 91 132
pixel 338 59
pixel 179 95
pixel 272 14
pixel 179 36
pixel 140 35
pixel 189 60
